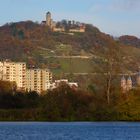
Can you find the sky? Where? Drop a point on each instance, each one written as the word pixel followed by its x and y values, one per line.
pixel 115 17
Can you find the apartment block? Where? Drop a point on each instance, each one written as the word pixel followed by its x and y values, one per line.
pixel 14 72
pixel 38 80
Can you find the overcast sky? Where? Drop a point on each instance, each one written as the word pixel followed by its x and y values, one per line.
pixel 116 17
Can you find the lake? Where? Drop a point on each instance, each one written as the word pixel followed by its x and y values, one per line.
pixel 69 131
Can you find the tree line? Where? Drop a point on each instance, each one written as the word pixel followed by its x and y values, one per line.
pixel 67 104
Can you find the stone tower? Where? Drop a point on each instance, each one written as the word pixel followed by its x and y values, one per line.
pixel 123 84
pixel 129 84
pixel 48 19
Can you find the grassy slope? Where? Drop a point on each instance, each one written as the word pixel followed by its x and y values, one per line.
pixel 74 65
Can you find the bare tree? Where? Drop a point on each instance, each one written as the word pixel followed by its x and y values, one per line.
pixel 108 67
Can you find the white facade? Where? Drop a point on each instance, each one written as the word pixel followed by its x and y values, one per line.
pixel 57 83
pixel 14 72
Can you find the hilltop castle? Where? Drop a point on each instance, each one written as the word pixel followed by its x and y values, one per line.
pixel 64 25
pixel 49 21
pixel 127 84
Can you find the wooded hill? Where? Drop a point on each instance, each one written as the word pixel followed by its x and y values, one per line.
pixel 130 40
pixel 38 46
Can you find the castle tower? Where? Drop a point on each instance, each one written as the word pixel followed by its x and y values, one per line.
pixel 129 84
pixel 48 19
pixel 138 79
pixel 123 84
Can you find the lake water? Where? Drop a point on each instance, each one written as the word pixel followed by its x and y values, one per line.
pixel 69 131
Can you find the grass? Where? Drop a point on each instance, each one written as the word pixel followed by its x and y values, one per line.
pixel 73 65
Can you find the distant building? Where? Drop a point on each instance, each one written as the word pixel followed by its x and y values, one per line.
pixel 64 25
pixel 14 72
pixel 26 79
pixel 38 80
pixel 57 83
pixel 48 19
pixel 129 84
pixel 123 84
pixel 58 29
pixel 81 29
pixel 138 79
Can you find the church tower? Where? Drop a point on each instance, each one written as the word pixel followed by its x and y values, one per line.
pixel 138 79
pixel 48 19
pixel 123 84
pixel 129 83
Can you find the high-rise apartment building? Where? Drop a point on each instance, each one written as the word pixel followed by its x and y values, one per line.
pixel 26 79
pixel 14 72
pixel 38 80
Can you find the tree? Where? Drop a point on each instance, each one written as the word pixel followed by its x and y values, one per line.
pixel 6 87
pixel 109 67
